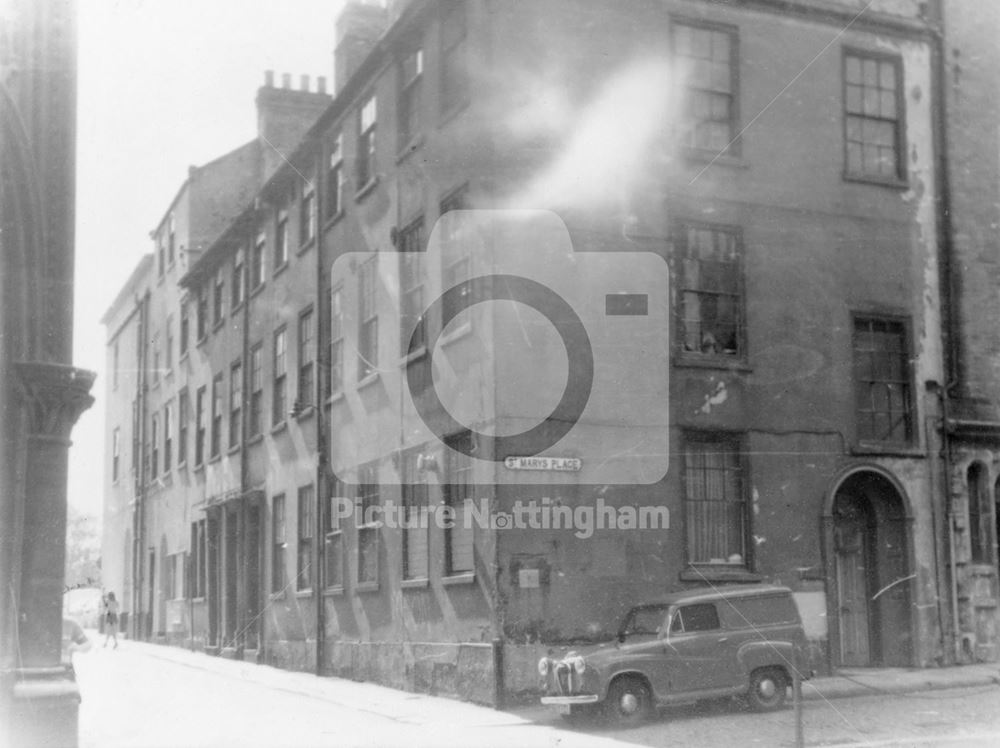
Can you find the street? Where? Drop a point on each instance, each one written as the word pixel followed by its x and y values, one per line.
pixel 144 695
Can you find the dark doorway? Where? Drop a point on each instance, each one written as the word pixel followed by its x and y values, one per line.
pixel 871 573
pixel 252 581
pixel 213 579
pixel 229 573
pixel 148 633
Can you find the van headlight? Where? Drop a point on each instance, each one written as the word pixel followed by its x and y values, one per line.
pixel 543 666
pixel 577 663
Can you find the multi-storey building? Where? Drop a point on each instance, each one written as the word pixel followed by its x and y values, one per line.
pixel 784 411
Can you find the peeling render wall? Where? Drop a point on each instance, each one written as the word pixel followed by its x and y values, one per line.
pixel 818 248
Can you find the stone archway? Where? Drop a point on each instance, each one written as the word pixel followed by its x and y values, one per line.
pixel 870 573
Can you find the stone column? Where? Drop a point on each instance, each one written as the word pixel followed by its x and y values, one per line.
pixel 46 696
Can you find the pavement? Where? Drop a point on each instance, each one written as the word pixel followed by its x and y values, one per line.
pixel 846 683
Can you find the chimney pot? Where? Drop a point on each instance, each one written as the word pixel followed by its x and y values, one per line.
pixel 304 83
pixel 321 84
pixel 269 78
pixel 286 80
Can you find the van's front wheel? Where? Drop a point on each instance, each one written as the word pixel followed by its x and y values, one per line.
pixel 767 689
pixel 629 701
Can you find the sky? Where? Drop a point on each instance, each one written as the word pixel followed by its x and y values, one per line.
pixel 163 84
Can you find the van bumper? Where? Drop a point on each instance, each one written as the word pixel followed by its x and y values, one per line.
pixel 583 698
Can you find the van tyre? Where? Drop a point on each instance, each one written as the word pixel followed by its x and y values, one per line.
pixel 629 702
pixel 767 689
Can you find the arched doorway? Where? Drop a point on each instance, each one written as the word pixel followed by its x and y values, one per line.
pixel 871 572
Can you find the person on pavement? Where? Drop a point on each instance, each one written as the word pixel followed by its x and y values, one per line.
pixel 111 619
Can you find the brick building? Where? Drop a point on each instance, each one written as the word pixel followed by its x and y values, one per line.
pixel 797 203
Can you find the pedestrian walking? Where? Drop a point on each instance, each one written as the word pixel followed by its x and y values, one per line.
pixel 111 619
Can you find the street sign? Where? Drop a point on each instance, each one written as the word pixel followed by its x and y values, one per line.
pixel 558 464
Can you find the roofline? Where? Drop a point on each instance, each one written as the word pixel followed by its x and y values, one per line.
pixel 309 140
pixel 127 288
pixel 195 170
pixel 206 260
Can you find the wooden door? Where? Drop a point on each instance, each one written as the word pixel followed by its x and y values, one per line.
pixel 851 544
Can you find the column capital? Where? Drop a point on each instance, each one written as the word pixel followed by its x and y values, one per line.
pixel 54 396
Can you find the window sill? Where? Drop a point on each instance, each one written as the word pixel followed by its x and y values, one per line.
pixel 214 459
pixel 218 323
pixel 412 356
pixel 306 245
pixel 279 269
pixel 301 594
pixel 369 380
pixel 257 290
pixel 199 467
pixel 279 427
pixel 697 361
pixel 366 587
pixel 412 146
pixel 236 309
pixel 414 584
pixel 184 357
pixel 453 111
pixel 233 449
pixel 887 450
pixel 714 158
pixel 255 439
pixel 199 599
pixel 366 189
pixel 468 577
pixel 201 341
pixel 877 181
pixel 308 411
pixel 457 334
pixel 719 574
pixel 333 219
pixel 336 397
pixel 276 595
pixel 182 464
pixel 336 591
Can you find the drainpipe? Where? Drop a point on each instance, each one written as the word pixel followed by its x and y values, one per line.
pixel 319 550
pixel 245 411
pixel 949 288
pixel 139 448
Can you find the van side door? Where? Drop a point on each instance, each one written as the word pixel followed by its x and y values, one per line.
pixel 699 649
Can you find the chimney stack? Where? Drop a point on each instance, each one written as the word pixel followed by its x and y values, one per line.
pixel 285 114
pixel 321 84
pixel 359 27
